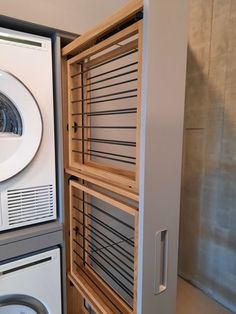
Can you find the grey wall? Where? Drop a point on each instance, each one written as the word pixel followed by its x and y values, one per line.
pixel 207 254
pixel 75 16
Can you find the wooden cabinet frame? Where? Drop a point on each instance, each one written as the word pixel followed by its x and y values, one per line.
pixel 82 244
pixel 77 70
pixel 96 47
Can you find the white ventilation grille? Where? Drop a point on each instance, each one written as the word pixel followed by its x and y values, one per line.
pixel 30 205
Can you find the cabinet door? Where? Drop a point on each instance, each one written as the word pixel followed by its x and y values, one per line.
pixel 124 103
pixel 163 90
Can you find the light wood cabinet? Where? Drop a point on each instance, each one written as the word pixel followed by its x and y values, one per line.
pixel 105 73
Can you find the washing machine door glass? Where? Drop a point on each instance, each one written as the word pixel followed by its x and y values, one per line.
pixel 17 309
pixel 10 119
pixel 21 126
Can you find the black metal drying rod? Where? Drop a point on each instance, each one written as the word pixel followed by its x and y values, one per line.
pixel 104 157
pixel 112 154
pixel 103 96
pixel 104 212
pixel 106 62
pixel 117 281
pixel 107 141
pixel 111 262
pixel 115 244
pixel 110 244
pixel 108 240
pixel 110 274
pixel 75 127
pixel 105 86
pixel 99 287
pixel 106 227
pixel 119 269
pixel 107 112
pixel 111 99
pixel 110 78
pixel 112 85
pixel 106 248
pixel 113 70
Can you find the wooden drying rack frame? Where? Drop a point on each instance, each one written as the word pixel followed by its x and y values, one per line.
pixel 128 179
pixel 76 274
pixel 83 48
pixel 86 45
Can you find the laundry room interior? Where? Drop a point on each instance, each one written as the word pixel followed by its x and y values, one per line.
pixel 117 157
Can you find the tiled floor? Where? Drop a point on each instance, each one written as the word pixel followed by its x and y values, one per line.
pixel 191 300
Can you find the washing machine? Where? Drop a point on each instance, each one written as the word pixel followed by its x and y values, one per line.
pixel 27 150
pixel 31 285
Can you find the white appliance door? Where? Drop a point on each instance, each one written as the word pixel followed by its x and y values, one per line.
pixel 21 126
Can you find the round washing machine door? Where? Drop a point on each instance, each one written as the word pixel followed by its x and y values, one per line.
pixel 21 126
pixel 17 309
pixel 21 304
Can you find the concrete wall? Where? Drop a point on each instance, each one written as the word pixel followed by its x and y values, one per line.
pixel 207 254
pixel 75 16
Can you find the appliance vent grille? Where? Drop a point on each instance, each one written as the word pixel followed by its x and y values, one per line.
pixel 30 205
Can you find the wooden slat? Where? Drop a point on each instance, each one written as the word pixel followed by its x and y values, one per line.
pixel 71 226
pixel 114 53
pixel 110 41
pixel 120 16
pixel 125 309
pixel 67 221
pixel 74 300
pixel 70 71
pixel 89 292
pixel 69 114
pixel 65 111
pixel 122 173
pixel 126 208
pixel 104 184
pixel 86 117
pixel 102 172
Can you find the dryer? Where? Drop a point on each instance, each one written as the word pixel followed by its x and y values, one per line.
pixel 27 150
pixel 31 285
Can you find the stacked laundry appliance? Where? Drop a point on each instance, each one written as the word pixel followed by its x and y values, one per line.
pixel 30 280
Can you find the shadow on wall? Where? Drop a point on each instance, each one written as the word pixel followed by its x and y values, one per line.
pixel 207 254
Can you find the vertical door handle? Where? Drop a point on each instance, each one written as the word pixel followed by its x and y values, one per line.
pixel 161 261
